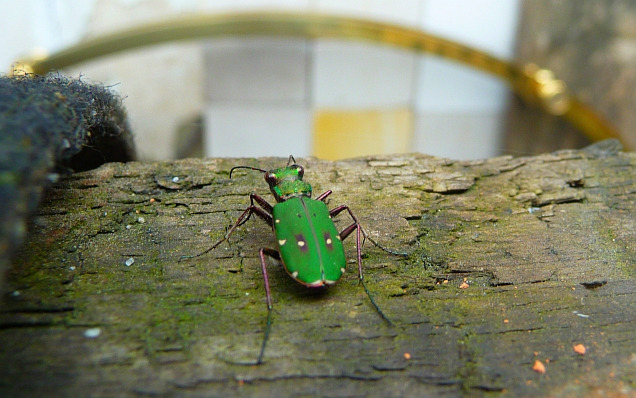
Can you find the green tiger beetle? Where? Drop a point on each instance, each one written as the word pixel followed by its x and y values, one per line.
pixel 309 245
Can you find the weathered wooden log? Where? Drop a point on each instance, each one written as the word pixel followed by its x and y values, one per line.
pixel 511 261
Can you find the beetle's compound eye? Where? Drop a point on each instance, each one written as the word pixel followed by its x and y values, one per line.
pixel 301 171
pixel 270 178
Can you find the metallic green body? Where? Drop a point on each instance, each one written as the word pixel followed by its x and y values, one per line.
pixel 308 241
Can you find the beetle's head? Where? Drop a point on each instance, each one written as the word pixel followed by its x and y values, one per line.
pixel 285 182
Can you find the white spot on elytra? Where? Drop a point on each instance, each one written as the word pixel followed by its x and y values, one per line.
pixel 342 270
pixel 295 274
pixel 282 242
pixel 328 241
pixel 338 237
pixel 301 243
pixel 277 221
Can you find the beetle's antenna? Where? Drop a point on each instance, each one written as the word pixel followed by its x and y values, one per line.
pixel 291 158
pixel 386 249
pixel 246 167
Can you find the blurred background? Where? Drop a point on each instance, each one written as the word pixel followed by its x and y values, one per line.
pixel 271 96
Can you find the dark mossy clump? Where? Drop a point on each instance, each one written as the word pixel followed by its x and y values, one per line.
pixel 51 125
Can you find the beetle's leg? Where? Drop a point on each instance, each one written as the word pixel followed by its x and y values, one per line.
pixel 347 231
pixel 262 202
pixel 262 253
pixel 359 233
pixel 324 195
pixel 274 254
pixel 264 213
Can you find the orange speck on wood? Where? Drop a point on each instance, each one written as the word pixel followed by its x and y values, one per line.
pixel 407 355
pixel 506 321
pixel 464 285
pixel 538 367
pixel 579 349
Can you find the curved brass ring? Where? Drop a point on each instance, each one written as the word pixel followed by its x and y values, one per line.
pixel 536 86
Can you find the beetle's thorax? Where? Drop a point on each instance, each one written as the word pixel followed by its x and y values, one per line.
pixel 287 182
pixel 290 189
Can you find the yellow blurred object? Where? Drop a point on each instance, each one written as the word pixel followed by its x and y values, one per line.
pixel 341 134
pixel 536 86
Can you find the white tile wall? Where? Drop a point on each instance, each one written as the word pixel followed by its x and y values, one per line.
pixel 404 12
pixel 47 25
pixel 458 135
pixel 12 18
pixel 485 24
pixel 353 75
pixel 445 86
pixel 257 70
pixel 488 25
pixel 245 5
pixel 465 104
pixel 257 95
pixel 61 23
pixel 257 130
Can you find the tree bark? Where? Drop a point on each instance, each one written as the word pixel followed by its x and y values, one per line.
pixel 510 261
